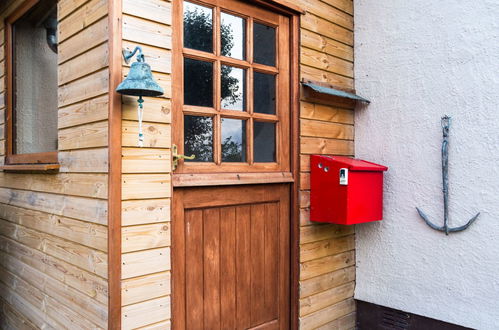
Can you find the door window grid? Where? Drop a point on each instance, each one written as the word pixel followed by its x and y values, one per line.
pixel 248 67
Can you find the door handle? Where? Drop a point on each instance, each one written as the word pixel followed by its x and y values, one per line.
pixel 176 157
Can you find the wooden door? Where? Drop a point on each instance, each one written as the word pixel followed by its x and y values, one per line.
pixel 231 268
pixel 231 214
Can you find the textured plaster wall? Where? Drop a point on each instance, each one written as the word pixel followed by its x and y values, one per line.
pixel 418 60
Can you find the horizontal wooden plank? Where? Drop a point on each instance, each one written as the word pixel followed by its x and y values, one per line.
pixel 81 256
pixel 327 281
pixel 156 109
pixel 145 160
pixel 327 12
pixel 81 232
pixel 136 212
pixel 326 315
pixel 145 262
pixel 89 111
pixel 321 26
pixel 144 186
pixel 158 326
pixel 304 181
pixel 77 278
pixel 311 73
pixel 154 10
pixel 81 18
pixel 144 288
pixel 332 246
pixel 147 32
pixel 13 319
pixel 91 135
pixel 66 7
pixel 54 312
pixel 29 304
pixel 323 61
pixel 216 179
pixel 320 232
pixel 344 322
pixel 344 5
pixel 326 298
pixel 145 237
pixel 85 185
pixel 311 145
pixel 81 208
pixel 304 198
pixel 144 313
pixel 87 161
pixel 90 37
pixel 327 264
pixel 30 168
pixel 160 59
pixel 322 129
pixel 326 113
pixel 156 135
pixel 73 299
pixel 84 88
pixel 314 40
pixel 88 62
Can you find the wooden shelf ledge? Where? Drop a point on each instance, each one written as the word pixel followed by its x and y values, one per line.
pixel 221 179
pixel 31 168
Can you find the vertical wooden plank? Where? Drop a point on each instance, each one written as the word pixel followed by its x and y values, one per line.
pixel 194 271
pixel 271 258
pixel 257 263
pixel 228 267
pixel 211 233
pixel 243 267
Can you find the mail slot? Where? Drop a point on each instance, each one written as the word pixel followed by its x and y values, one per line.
pixel 345 191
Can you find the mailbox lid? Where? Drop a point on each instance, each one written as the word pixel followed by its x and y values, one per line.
pixel 357 164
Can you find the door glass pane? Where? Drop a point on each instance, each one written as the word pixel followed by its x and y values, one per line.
pixel 264 93
pixel 198 27
pixel 264 44
pixel 198 83
pixel 198 138
pixel 233 34
pixel 233 140
pixel 233 88
pixel 264 142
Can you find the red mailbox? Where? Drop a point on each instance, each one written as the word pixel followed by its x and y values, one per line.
pixel 345 191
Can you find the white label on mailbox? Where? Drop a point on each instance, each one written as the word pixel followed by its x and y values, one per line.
pixel 343 176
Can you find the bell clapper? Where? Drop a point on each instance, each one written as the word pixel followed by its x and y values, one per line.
pixel 140 112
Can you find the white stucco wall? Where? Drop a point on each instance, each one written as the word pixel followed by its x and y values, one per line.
pixel 416 61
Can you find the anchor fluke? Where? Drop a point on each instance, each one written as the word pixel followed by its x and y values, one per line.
pixel 446 229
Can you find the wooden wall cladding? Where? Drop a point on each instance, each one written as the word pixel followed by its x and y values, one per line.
pixel 53 227
pixel 146 174
pixel 327 258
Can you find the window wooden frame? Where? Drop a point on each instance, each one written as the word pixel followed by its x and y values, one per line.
pixel 282 69
pixel 10 157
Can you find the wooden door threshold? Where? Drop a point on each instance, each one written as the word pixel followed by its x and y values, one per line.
pixel 222 179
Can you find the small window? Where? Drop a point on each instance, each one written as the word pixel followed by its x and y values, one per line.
pixel 32 74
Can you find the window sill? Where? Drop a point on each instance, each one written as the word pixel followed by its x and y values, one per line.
pixel 45 168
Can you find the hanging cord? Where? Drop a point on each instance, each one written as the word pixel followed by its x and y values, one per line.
pixel 140 112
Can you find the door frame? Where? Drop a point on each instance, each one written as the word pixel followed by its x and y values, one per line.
pixel 293 13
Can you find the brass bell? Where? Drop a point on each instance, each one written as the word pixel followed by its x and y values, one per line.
pixel 139 81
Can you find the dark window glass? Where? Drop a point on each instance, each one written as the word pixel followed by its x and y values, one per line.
pixel 264 141
pixel 233 34
pixel 198 83
pixel 264 93
pixel 233 88
pixel 263 44
pixel 198 27
pixel 35 79
pixel 198 138
pixel 233 140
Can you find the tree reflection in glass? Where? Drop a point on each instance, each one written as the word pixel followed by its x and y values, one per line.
pixel 233 140
pixel 198 27
pixel 198 138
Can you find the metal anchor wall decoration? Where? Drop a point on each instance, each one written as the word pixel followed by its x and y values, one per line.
pixel 446 121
